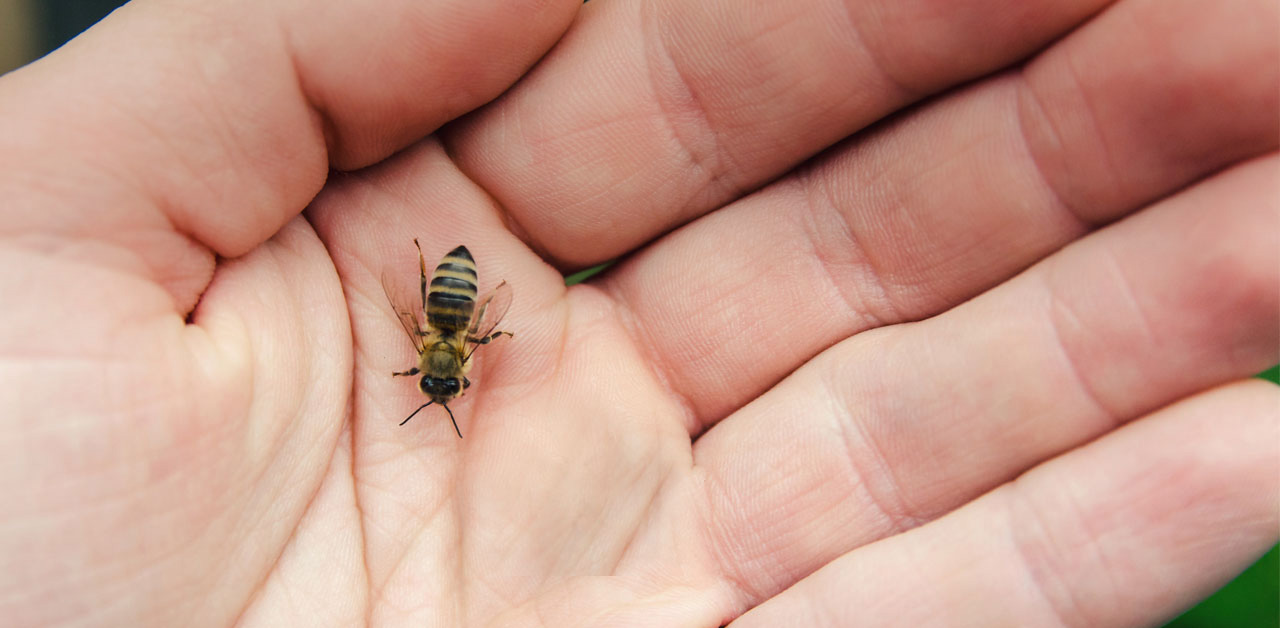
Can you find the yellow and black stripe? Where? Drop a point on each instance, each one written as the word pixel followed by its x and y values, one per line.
pixel 451 297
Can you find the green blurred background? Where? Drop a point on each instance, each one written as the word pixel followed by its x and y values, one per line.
pixel 31 28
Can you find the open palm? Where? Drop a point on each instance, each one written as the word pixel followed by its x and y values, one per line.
pixel 879 350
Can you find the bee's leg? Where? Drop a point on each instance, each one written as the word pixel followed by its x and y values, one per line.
pixel 494 336
pixel 412 371
pixel 466 383
pixel 422 276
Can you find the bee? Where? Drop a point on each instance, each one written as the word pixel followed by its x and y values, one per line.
pixel 456 324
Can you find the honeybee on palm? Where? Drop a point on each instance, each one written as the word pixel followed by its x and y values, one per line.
pixel 456 324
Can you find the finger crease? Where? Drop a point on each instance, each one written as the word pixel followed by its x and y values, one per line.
pixel 643 345
pixel 1030 102
pixel 1060 314
pixel 877 478
pixel 820 200
pixel 1030 531
pixel 714 163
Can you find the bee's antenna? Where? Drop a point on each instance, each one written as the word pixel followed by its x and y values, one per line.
pixel 455 423
pixel 419 410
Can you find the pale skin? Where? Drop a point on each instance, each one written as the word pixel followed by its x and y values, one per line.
pixel 983 363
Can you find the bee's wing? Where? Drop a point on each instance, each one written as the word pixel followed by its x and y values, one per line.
pixel 489 312
pixel 397 296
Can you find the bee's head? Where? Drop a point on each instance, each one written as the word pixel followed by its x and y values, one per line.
pixel 440 389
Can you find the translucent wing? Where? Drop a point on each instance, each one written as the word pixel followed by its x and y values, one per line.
pixel 397 295
pixel 489 312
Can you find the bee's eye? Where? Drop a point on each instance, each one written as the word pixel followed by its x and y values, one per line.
pixel 427 383
pixel 451 385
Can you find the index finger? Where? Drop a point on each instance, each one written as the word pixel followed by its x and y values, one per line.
pixel 648 114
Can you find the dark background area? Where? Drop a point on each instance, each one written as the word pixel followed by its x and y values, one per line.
pixel 56 21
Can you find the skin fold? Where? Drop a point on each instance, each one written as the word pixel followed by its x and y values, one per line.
pixel 924 313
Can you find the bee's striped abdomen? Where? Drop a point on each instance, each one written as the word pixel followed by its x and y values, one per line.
pixel 451 297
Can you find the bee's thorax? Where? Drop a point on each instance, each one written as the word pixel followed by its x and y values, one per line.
pixel 443 359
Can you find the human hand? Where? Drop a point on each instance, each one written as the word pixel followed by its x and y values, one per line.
pixel 881 390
